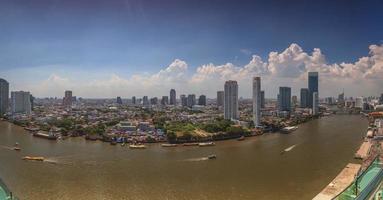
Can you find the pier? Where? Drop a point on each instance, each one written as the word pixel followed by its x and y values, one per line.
pixel 364 150
pixel 340 183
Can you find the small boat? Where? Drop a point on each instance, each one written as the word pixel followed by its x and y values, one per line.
pixel 34 158
pixel 205 144
pixel 123 144
pixel 212 156
pixel 32 129
pixel 168 145
pixel 137 146
pixel 113 143
pixel 191 144
pixel 289 129
pixel 49 136
pixel 16 147
pixel 241 138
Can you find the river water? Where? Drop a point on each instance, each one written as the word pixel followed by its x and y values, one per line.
pixel 249 169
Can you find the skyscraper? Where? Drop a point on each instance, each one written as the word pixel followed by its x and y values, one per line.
pixel 359 102
pixel 341 98
pixel 262 99
pixel 294 101
pixel 154 101
pixel 220 97
pixel 67 100
pixel 21 102
pixel 315 103
pixel 231 100
pixel 313 86
pixel 305 97
pixel 256 101
pixel 202 100
pixel 191 101
pixel 173 100
pixel 119 100
pixel 4 96
pixel 134 100
pixel 381 99
pixel 184 100
pixel 145 100
pixel 165 100
pixel 284 100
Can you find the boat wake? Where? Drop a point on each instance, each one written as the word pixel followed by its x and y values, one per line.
pixel 196 159
pixel 6 147
pixel 289 149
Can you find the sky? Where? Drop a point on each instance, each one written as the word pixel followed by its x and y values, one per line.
pixel 130 48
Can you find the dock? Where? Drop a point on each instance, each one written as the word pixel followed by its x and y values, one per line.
pixel 340 183
pixel 364 150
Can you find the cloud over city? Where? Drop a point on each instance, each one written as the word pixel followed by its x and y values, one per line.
pixel 286 68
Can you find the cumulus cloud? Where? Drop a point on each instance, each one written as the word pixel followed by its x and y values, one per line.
pixel 286 68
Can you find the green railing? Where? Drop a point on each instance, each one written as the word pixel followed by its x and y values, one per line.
pixel 5 193
pixel 364 184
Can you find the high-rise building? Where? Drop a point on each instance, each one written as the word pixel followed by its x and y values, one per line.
pixel 67 100
pixel 262 99
pixel 231 100
pixel 341 98
pixel 173 100
pixel 313 86
pixel 21 102
pixel 134 101
pixel 202 100
pixel 257 101
pixel 315 103
pixel 359 102
pixel 154 101
pixel 119 100
pixel 305 97
pixel 32 102
pixel 284 99
pixel 381 99
pixel 294 100
pixel 220 98
pixel 4 96
pixel 165 100
pixel 184 100
pixel 145 100
pixel 191 101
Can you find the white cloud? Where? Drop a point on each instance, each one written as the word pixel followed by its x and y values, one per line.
pixel 287 68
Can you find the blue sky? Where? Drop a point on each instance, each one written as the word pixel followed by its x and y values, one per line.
pixel 128 37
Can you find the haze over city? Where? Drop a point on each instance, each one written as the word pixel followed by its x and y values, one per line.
pixel 124 48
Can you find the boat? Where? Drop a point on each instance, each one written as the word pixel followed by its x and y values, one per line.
pixel 241 138
pixel 168 145
pixel 289 129
pixel 123 144
pixel 205 144
pixel 212 156
pixel 49 136
pixel 16 147
pixel 34 158
pixel 32 129
pixel 191 144
pixel 137 146
pixel 113 143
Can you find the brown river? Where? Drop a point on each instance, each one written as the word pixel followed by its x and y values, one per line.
pixel 249 169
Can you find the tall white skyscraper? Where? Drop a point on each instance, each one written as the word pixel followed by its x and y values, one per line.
pixel 231 100
pixel 257 101
pixel 21 102
pixel 315 103
pixel 4 96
